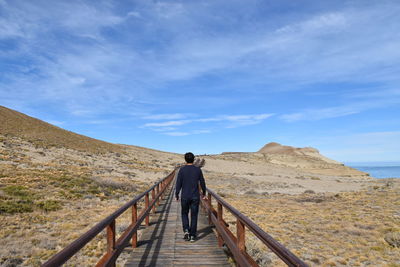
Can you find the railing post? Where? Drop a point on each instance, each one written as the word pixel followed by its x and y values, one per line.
pixel 210 208
pixel 201 202
pixel 134 220
pixel 146 206
pixel 220 221
pixel 240 233
pixel 153 196
pixel 111 238
pixel 161 188
pixel 158 191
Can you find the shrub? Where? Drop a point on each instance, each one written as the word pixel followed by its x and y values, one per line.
pixel 11 261
pixel 16 206
pixel 17 191
pixel 113 184
pixel 393 239
pixel 49 205
pixel 251 192
pixel 17 199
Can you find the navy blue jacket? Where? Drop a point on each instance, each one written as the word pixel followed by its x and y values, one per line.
pixel 189 178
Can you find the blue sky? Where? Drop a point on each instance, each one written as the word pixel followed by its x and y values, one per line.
pixel 209 76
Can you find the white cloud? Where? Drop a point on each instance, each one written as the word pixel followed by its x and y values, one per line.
pixel 9 29
pixel 86 69
pixel 239 119
pixel 82 77
pixel 201 131
pixel 225 121
pixel 333 46
pixel 319 114
pixel 255 118
pixel 243 120
pixel 369 102
pixel 319 23
pixel 164 129
pixel 167 123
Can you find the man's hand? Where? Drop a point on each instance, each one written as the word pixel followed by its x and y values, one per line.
pixel 204 197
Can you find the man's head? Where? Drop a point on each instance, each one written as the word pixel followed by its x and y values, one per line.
pixel 189 157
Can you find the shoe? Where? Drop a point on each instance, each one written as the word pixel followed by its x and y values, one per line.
pixel 192 239
pixel 186 236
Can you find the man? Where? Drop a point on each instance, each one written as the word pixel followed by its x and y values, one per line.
pixel 189 178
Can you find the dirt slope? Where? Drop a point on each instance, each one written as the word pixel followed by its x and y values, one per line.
pixel 14 123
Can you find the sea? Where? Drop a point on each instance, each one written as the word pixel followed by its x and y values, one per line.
pixel 378 169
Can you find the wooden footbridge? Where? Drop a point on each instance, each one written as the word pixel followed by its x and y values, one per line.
pixel 161 243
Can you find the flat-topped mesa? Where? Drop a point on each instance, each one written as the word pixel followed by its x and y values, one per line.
pixel 289 155
pixel 274 147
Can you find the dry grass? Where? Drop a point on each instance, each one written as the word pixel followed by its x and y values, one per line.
pixel 346 229
pixel 50 196
pixel 43 211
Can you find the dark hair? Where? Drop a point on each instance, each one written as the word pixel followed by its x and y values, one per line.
pixel 189 157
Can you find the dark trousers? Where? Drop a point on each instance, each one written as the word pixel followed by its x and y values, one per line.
pixel 193 206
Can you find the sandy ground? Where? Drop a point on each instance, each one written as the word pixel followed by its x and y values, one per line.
pixel 239 173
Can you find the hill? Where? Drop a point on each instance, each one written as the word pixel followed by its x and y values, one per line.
pixel 49 175
pixel 299 161
pixel 43 134
pixel 309 153
pixel 274 147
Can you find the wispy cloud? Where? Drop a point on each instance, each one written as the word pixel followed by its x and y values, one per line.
pixel 319 114
pixel 72 58
pixel 375 100
pixel 177 133
pixel 256 118
pixel 243 120
pixel 228 121
pixel 167 123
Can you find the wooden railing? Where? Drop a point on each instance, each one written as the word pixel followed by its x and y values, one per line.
pixel 115 247
pixel 237 243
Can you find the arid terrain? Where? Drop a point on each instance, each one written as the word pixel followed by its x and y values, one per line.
pixel 326 213
pixel 54 189
pixel 55 185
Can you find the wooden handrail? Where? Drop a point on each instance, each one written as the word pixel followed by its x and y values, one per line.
pixel 236 244
pixel 115 247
